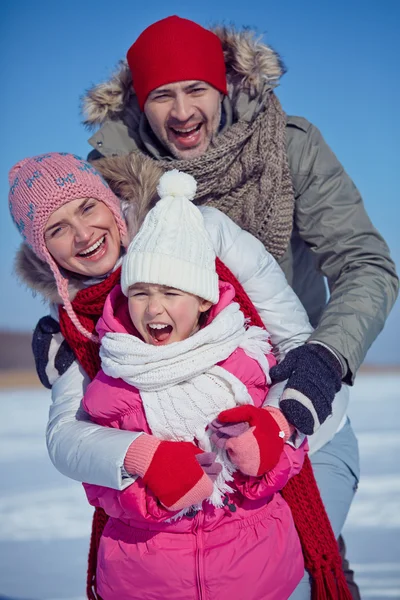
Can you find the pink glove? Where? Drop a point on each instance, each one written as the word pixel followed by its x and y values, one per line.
pixel 258 450
pixel 222 432
pixel 207 462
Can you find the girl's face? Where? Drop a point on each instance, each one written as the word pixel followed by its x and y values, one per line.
pixel 82 236
pixel 164 315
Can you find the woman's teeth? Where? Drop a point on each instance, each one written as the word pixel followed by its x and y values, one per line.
pixel 93 248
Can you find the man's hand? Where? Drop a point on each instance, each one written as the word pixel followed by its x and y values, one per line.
pixel 314 377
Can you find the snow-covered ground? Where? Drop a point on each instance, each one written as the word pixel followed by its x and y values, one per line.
pixel 45 520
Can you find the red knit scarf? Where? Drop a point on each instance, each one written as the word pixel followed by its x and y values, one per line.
pixel 88 306
pixel 320 549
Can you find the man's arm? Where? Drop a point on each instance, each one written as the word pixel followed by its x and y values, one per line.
pixel 350 252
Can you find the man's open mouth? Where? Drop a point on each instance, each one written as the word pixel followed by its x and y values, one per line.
pixel 186 132
pixel 93 249
pixel 159 332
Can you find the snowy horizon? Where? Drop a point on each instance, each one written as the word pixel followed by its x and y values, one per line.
pixel 45 520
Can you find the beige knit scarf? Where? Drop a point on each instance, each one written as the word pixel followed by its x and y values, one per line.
pixel 245 174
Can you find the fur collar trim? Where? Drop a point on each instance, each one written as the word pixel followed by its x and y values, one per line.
pixel 250 66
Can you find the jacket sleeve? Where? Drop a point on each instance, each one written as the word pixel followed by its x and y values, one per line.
pixel 349 251
pixel 136 500
pixel 77 447
pixel 263 280
pixel 290 463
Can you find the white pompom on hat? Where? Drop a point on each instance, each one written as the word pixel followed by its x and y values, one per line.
pixel 172 247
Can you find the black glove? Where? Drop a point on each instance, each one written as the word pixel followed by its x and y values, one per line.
pixel 314 377
pixel 52 356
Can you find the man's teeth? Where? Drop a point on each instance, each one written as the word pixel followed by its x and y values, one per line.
pixel 92 248
pixel 186 130
pixel 157 326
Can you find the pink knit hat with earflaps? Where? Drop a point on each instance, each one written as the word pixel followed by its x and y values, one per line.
pixel 42 184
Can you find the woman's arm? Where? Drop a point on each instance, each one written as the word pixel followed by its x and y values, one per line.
pixel 262 279
pixel 78 448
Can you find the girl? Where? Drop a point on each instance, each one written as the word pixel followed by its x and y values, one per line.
pixel 165 375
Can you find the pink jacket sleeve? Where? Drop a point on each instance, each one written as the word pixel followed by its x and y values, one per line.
pixel 250 373
pixel 135 502
pixel 114 403
pixel 290 463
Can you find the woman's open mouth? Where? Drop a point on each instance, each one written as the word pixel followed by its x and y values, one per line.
pixel 159 332
pixel 94 251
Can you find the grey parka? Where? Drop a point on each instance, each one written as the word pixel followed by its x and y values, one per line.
pixel 332 237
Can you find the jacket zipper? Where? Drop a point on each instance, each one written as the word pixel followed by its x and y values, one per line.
pixel 198 531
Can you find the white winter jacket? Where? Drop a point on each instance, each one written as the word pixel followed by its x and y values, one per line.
pixel 87 452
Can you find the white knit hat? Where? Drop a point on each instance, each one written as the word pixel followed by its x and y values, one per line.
pixel 172 246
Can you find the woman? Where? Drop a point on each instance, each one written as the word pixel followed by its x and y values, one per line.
pixel 77 252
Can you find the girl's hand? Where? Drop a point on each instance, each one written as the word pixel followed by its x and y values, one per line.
pixel 258 449
pixel 222 432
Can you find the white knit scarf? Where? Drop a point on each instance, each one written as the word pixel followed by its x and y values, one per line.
pixel 181 387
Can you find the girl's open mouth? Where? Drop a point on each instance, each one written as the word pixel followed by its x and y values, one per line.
pixel 159 332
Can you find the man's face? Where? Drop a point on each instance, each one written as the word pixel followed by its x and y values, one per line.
pixel 184 116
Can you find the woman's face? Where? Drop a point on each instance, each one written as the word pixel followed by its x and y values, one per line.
pixel 82 236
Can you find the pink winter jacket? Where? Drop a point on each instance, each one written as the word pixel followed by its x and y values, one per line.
pixel 251 553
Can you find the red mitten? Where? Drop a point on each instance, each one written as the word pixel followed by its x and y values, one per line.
pixel 258 449
pixel 170 469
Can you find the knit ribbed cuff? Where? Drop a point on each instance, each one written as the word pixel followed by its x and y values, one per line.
pixel 281 420
pixel 341 360
pixel 140 454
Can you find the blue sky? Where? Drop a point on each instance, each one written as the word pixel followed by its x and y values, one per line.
pixel 342 61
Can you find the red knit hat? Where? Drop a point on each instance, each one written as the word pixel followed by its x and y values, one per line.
pixel 175 49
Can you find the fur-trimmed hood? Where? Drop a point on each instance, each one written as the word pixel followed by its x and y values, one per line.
pixel 251 68
pixel 134 179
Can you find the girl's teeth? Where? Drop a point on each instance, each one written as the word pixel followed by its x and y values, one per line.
pixel 157 326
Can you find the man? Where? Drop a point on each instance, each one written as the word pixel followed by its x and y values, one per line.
pixel 203 102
